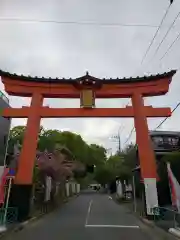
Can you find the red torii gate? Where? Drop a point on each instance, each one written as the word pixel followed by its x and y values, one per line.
pixel 87 88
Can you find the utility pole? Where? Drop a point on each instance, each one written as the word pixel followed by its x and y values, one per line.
pixel 119 142
pixel 118 138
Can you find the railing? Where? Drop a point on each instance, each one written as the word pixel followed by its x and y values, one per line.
pixel 166 217
pixel 8 215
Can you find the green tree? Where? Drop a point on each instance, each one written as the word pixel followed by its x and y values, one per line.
pixel 50 139
pixel 103 175
pixel 16 136
pixel 118 165
pixel 97 154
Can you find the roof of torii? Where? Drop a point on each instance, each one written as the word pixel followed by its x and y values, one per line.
pixel 88 77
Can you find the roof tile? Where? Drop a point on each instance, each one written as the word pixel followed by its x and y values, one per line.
pixel 14 76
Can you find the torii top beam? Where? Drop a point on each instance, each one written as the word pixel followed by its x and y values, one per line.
pixel 19 85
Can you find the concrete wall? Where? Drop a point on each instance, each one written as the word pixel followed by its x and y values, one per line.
pixel 72 188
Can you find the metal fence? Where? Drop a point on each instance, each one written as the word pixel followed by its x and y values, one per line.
pixel 166 217
pixel 8 215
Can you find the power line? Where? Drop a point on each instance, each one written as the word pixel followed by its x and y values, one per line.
pixel 128 103
pixel 152 41
pixel 172 44
pixel 77 22
pixel 132 130
pixel 168 31
pixel 161 123
pixel 129 137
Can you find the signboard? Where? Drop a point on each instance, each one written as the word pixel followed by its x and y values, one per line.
pixel 11 172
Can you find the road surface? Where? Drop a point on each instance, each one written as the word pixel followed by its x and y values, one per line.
pixel 87 217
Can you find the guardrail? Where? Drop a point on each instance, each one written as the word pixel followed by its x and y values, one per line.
pixel 170 217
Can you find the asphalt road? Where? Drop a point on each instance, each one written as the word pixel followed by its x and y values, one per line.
pixel 87 217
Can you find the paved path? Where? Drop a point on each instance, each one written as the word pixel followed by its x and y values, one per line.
pixel 88 217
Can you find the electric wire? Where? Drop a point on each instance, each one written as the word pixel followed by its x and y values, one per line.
pixel 161 123
pixel 166 34
pixel 156 33
pixel 172 44
pixel 76 22
pixel 130 134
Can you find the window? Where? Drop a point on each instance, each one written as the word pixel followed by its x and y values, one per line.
pixel 175 141
pixel 157 141
pixel 166 142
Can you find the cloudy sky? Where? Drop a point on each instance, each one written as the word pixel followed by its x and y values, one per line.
pixel 38 45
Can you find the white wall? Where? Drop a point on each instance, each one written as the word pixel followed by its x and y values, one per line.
pixel 119 189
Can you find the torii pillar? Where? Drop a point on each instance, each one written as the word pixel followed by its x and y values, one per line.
pixel 146 153
pixel 22 189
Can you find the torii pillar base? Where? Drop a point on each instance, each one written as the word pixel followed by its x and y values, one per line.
pixel 21 199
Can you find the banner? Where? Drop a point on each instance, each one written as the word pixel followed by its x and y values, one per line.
pixel 174 187
pixel 2 184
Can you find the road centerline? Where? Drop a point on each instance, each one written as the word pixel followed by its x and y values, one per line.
pixel 112 226
pixel 88 212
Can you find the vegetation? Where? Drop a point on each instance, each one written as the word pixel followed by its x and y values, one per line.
pixel 119 166
pixel 72 143
pixel 106 169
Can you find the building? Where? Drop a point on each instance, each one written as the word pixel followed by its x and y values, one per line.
pixel 4 128
pixel 165 142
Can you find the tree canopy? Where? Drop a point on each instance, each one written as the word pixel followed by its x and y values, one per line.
pixel 80 150
pixel 117 166
pixel 106 169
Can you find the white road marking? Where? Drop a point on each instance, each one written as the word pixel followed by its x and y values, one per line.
pixel 88 213
pixel 111 226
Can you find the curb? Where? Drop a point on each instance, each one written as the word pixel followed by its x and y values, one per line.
pixel 158 231
pixel 20 226
pixel 174 232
